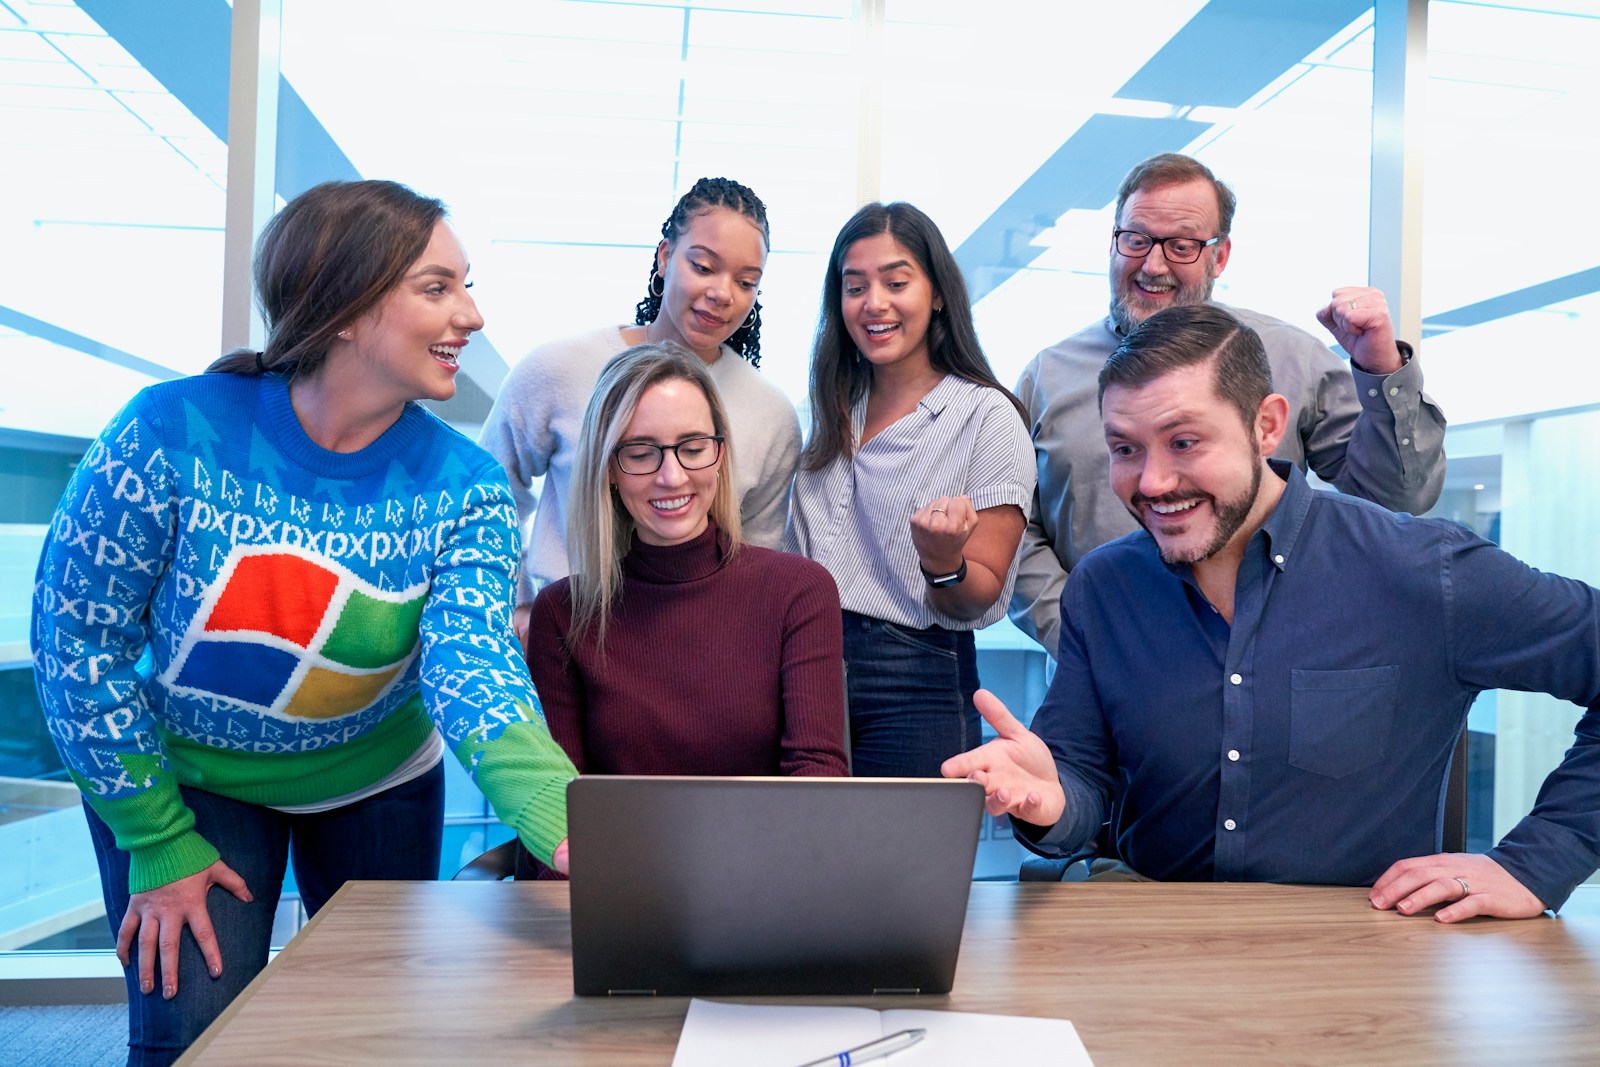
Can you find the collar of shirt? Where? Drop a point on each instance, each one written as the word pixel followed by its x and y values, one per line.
pixel 933 402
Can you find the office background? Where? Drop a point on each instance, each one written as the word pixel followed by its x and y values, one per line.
pixel 561 131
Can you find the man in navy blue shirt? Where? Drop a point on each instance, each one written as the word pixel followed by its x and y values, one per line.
pixel 1270 679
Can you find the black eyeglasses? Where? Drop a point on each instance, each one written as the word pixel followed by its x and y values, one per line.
pixel 1136 245
pixel 693 454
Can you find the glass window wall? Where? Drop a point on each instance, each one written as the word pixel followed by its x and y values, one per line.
pixel 562 131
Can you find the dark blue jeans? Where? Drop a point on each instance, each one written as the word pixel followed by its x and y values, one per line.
pixel 395 834
pixel 910 697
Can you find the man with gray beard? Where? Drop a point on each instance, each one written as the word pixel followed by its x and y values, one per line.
pixel 1366 427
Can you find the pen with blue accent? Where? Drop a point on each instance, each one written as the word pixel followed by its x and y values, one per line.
pixel 872 1050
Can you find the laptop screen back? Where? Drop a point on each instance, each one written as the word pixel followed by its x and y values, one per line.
pixel 826 886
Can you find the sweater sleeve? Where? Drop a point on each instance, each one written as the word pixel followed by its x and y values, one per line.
pixel 555 673
pixel 474 681
pixel 520 433
pixel 110 543
pixel 813 676
pixel 764 509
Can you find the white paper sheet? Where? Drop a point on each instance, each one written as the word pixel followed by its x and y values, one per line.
pixel 760 1035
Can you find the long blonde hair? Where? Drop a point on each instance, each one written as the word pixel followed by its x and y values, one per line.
pixel 599 528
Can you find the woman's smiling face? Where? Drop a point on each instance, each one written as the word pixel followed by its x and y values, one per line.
pixel 710 275
pixel 671 505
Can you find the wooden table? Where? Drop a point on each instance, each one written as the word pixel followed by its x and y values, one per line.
pixel 480 972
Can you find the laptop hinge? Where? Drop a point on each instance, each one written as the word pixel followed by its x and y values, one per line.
pixel 630 992
pixel 906 991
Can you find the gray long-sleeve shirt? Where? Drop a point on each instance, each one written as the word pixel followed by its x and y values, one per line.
pixel 1374 436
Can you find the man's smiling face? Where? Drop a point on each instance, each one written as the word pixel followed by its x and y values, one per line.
pixel 1142 287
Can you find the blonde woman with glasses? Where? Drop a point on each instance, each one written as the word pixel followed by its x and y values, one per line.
pixel 673 647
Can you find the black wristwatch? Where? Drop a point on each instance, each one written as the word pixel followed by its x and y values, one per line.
pixel 945 581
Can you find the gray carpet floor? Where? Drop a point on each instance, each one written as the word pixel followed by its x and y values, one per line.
pixel 64 1035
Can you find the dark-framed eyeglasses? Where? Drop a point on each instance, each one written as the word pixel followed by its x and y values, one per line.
pixel 1136 245
pixel 693 454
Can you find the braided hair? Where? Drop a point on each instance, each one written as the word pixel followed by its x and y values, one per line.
pixel 709 193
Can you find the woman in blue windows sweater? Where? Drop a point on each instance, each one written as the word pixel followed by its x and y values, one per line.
pixel 270 598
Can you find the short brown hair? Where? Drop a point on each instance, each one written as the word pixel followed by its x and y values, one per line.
pixel 1184 337
pixel 1173 168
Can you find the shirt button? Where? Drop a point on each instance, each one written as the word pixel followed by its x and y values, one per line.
pixel 1372 392
pixel 1394 390
pixel 1277 559
pixel 1229 824
pixel 1405 440
pixel 1233 754
pixel 1236 678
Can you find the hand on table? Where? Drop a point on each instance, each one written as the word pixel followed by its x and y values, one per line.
pixel 157 918
pixel 1410 885
pixel 559 860
pixel 1016 770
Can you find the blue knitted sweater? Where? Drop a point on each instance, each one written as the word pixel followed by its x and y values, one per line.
pixel 221 603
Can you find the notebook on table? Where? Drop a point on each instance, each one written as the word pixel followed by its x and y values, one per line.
pixel 757 886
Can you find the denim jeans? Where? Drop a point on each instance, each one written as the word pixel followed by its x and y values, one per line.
pixel 910 694
pixel 395 834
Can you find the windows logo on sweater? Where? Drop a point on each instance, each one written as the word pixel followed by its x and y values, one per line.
pixel 295 636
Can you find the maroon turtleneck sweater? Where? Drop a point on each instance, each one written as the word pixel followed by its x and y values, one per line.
pixel 713 664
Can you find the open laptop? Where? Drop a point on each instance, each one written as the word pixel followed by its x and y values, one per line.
pixel 753 886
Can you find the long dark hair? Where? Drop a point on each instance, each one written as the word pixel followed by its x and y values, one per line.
pixel 840 377
pixel 326 259
pixel 708 193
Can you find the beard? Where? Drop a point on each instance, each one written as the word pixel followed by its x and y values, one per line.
pixel 1129 309
pixel 1230 515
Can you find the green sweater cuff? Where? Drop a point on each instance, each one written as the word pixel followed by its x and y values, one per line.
pixel 153 867
pixel 524 775
pixel 154 827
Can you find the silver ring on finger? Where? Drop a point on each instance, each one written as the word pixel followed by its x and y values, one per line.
pixel 1466 890
pixel 1352 305
pixel 940 511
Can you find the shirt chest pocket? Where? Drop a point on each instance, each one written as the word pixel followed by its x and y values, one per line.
pixel 1339 721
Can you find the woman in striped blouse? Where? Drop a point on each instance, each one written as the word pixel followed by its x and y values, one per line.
pixel 912 487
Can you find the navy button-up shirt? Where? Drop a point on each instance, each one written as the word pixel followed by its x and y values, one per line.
pixel 1309 742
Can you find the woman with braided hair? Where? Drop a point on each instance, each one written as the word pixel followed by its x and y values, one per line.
pixel 701 293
